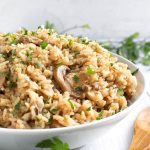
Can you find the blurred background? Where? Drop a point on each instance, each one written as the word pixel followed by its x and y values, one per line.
pixel 107 18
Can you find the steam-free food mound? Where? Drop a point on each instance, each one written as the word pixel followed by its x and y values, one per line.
pixel 49 80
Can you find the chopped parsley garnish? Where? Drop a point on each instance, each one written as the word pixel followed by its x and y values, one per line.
pixel 29 55
pixel 4 56
pixel 50 120
pixel 59 64
pixel 84 40
pixel 120 92
pixel 39 65
pixel 100 115
pixel 86 26
pixel 54 144
pixel 70 44
pixel 33 33
pixel 15 41
pixel 76 78
pixel 71 104
pixel 89 109
pixel 78 89
pixel 54 110
pixel 17 106
pixel 135 72
pixel 12 85
pixel 75 54
pixel 44 44
pixel 25 31
pixel 90 71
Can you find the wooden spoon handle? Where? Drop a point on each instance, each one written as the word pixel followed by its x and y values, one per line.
pixel 141 138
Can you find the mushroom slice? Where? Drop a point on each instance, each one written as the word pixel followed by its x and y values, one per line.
pixel 64 82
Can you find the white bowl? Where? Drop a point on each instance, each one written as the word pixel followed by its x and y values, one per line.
pixel 75 136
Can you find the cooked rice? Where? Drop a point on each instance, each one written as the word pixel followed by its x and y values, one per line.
pixel 49 80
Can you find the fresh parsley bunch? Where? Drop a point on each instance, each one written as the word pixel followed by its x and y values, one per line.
pixel 54 144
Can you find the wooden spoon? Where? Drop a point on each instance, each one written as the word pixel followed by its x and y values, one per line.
pixel 141 138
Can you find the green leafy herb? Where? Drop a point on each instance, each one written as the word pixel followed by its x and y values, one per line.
pixel 76 78
pixel 75 54
pixel 90 71
pixel 100 115
pixel 78 89
pixel 50 120
pixel 108 45
pixel 86 26
pixel 33 33
pixel 12 85
pixel 39 65
pixel 54 143
pixel 135 72
pixel 17 106
pixel 49 25
pixel 71 104
pixel 146 60
pixel 70 44
pixel 44 44
pixel 4 56
pixel 120 92
pixel 25 31
pixel 29 55
pixel 84 40
pixel 14 41
pixel 54 110
pixel 89 109
pixel 59 64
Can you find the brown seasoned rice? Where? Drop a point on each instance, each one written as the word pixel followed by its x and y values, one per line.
pixel 49 80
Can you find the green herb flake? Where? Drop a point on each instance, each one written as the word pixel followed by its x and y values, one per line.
pixel 54 110
pixel 25 31
pixel 90 71
pixel 59 64
pixel 50 120
pixel 12 85
pixel 146 60
pixel 76 54
pixel 76 78
pixel 100 115
pixel 135 72
pixel 78 89
pixel 4 56
pixel 44 44
pixel 17 106
pixel 86 26
pixel 71 104
pixel 89 109
pixel 39 65
pixel 84 40
pixel 70 44
pixel 54 143
pixel 14 41
pixel 29 55
pixel 120 92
